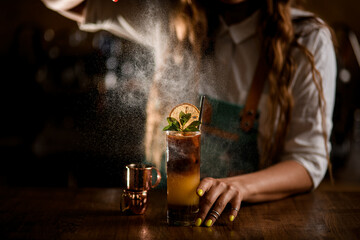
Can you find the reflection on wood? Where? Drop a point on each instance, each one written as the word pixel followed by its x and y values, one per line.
pixel 95 214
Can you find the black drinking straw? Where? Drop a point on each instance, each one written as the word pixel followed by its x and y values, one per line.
pixel 201 106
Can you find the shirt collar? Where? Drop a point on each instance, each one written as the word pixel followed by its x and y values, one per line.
pixel 296 13
pixel 243 30
pixel 239 32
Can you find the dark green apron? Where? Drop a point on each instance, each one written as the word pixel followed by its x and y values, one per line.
pixel 226 150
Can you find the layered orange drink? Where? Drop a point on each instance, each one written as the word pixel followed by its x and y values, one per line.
pixel 183 140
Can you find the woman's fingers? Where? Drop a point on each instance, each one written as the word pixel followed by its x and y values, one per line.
pixel 213 191
pixel 204 186
pixel 206 200
pixel 217 208
pixel 215 195
pixel 235 207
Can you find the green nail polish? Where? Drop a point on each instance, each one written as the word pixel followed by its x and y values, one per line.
pixel 208 223
pixel 198 222
pixel 231 218
pixel 200 192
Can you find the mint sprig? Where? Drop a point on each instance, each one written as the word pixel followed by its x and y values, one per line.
pixel 193 127
pixel 175 125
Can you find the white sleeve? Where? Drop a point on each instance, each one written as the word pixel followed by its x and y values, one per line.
pixel 135 20
pixel 304 142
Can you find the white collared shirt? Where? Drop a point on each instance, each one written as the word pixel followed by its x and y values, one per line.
pixel 237 51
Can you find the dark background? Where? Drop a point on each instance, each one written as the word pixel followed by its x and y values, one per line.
pixel 64 121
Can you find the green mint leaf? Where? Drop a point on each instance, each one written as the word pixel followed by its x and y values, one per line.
pixel 170 128
pixel 174 125
pixel 167 128
pixel 184 117
pixel 171 120
pixel 193 127
pixel 195 124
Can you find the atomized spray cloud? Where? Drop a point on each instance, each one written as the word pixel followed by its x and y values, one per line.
pixel 154 78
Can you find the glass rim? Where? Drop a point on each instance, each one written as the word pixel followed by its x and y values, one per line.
pixel 180 134
pixel 139 166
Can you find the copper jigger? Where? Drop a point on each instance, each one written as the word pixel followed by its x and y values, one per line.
pixel 139 177
pixel 138 182
pixel 133 202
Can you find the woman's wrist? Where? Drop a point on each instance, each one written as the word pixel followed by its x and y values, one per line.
pixel 275 182
pixel 243 187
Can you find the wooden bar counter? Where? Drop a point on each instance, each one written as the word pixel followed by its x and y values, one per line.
pixel 93 213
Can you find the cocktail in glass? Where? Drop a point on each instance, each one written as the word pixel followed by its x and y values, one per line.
pixel 183 176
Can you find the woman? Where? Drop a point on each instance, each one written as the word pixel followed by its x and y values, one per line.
pixel 230 39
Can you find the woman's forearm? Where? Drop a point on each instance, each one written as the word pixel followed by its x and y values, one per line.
pixel 275 182
pixel 73 9
pixel 62 5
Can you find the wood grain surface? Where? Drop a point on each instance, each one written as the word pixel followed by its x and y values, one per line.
pixel 94 213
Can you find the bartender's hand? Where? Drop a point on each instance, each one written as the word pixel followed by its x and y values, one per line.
pixel 214 195
pixel 275 182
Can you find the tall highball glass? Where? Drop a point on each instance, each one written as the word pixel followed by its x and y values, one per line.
pixel 183 176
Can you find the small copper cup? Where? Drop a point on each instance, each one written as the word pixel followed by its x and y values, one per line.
pixel 133 202
pixel 139 177
pixel 138 182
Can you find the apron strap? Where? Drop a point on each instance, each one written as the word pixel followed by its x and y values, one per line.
pixel 248 114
